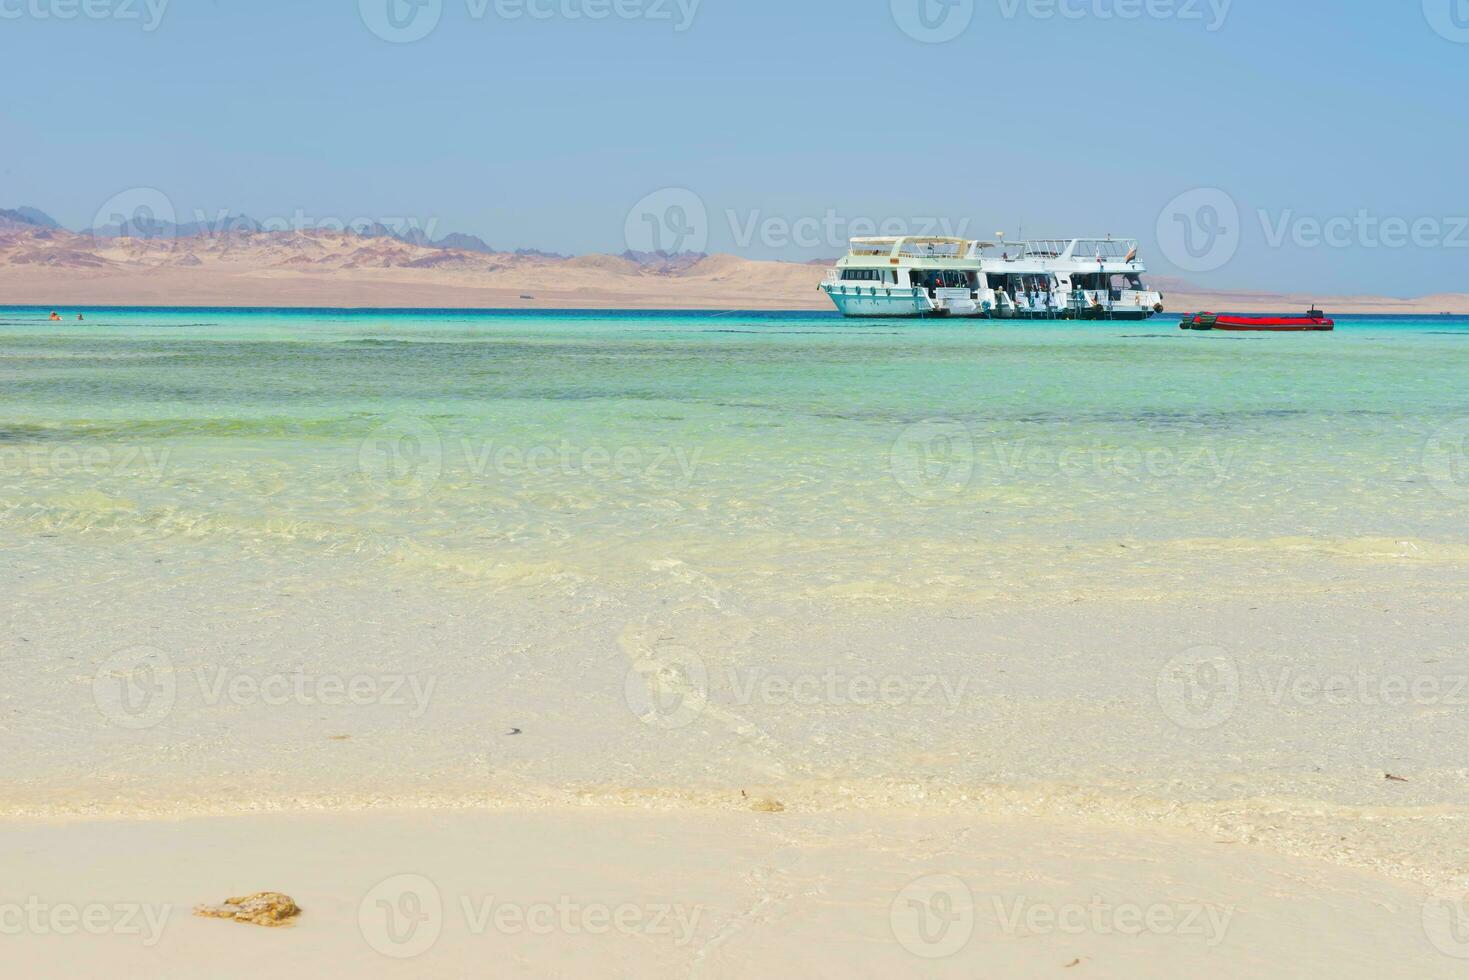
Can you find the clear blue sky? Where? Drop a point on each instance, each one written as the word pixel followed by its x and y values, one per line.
pixel 545 131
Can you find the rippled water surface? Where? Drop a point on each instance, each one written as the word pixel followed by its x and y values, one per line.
pixel 818 453
pixel 672 552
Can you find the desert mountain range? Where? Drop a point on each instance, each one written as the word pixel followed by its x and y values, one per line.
pixel 240 263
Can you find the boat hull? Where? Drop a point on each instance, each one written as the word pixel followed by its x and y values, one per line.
pixel 869 303
pixel 1258 324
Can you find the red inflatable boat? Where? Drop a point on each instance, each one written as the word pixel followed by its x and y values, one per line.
pixel 1313 320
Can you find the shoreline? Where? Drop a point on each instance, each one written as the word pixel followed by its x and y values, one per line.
pixel 742 894
pixel 663 311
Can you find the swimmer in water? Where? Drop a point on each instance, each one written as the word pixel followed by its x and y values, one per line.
pixel 55 315
pixel 79 316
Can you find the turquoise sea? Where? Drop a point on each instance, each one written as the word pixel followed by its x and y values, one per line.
pixel 540 512
pixel 820 452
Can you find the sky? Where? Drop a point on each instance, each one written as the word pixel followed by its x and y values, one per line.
pixel 1271 144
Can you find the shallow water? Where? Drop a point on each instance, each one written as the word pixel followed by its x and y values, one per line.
pixel 647 541
pixel 825 455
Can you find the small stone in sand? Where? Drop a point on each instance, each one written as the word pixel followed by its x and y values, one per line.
pixel 269 909
pixel 768 806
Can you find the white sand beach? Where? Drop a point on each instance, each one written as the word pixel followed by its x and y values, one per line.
pixel 557 892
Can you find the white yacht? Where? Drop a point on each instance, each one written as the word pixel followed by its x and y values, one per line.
pixel 1074 279
pixel 1078 278
pixel 907 277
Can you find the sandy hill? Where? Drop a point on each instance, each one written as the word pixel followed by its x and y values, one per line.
pixel 46 265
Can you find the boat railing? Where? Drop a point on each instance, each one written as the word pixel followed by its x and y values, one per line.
pixel 931 252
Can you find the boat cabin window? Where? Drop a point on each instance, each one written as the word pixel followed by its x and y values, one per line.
pixel 943 279
pixel 1023 283
pixel 863 275
pixel 1113 285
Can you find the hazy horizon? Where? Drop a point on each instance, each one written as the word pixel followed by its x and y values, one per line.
pixel 769 132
